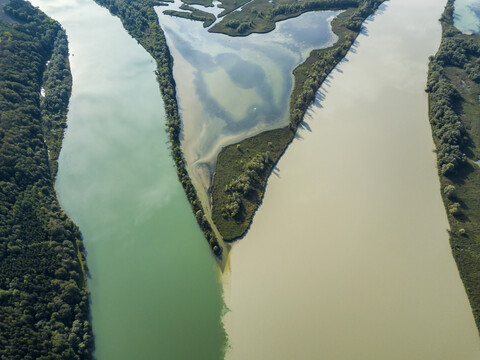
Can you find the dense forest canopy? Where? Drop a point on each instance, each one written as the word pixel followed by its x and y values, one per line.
pixel 43 296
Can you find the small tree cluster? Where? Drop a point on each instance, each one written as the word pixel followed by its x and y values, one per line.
pixel 447 126
pixel 239 187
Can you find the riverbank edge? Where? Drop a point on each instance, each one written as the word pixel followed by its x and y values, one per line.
pixel 448 90
pixel 42 229
pixel 141 22
pixel 233 160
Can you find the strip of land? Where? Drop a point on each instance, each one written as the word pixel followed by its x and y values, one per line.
pixel 260 16
pixel 193 14
pixel 44 307
pixel 454 107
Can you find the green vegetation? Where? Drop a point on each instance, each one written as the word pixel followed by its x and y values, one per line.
pixel 43 296
pixel 193 14
pixel 260 16
pixel 2 13
pixel 454 96
pixel 231 5
pixel 309 76
pixel 198 2
pixel 241 177
pixel 57 85
pixel 141 22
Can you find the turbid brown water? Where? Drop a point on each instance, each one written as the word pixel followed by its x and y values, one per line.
pixel 348 256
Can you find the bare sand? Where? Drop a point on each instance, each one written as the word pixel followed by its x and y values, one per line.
pixel 348 256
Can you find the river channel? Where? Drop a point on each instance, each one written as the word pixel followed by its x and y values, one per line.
pixel 152 276
pixel 348 257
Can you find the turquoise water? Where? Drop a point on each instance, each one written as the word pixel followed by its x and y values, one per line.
pixel 152 277
pixel 467 15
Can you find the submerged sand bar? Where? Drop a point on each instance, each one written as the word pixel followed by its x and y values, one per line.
pixel 348 256
pixel 230 88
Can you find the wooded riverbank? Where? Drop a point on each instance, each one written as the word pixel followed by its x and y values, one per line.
pixel 454 95
pixel 44 308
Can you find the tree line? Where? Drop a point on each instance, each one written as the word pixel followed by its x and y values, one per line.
pixel 448 129
pixel 140 20
pixel 43 296
pixel 324 60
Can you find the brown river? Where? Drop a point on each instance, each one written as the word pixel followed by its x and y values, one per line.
pixel 348 256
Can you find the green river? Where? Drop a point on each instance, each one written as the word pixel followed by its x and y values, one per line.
pixel 153 281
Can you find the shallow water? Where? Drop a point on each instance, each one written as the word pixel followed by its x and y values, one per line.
pixel 348 256
pixel 230 88
pixel 467 15
pixel 152 276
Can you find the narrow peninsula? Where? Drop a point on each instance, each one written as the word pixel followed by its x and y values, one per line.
pixel 44 311
pixel 242 169
pixel 454 107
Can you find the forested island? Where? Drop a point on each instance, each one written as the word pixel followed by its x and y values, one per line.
pixel 454 108
pixel 44 307
pixel 242 169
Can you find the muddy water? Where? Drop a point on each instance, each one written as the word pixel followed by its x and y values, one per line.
pixel 348 256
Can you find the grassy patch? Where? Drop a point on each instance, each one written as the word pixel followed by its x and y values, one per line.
pixel 312 73
pixel 465 227
pixel 465 230
pixel 469 104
